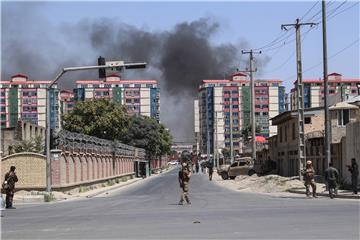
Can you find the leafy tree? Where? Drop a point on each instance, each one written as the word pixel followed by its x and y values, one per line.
pixel 100 118
pixel 166 140
pixel 35 145
pixel 246 131
pixel 147 133
pixel 225 152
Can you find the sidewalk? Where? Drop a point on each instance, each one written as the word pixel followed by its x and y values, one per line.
pixel 346 194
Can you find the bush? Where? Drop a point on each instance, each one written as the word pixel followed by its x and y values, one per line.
pixel 48 197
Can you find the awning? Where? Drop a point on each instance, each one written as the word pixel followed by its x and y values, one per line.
pixel 260 139
pixel 343 105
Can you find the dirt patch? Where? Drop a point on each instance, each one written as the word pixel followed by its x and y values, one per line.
pixel 263 184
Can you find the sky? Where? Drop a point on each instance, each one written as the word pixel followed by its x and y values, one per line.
pixel 37 38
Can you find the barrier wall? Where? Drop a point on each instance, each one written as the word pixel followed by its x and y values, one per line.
pixel 79 160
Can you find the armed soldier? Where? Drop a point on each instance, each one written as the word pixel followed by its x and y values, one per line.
pixel 184 178
pixel 9 187
pixel 354 170
pixel 332 178
pixel 309 174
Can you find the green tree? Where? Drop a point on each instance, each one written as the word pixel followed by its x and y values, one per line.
pixel 246 132
pixel 147 133
pixel 35 145
pixel 225 152
pixel 100 118
pixel 166 140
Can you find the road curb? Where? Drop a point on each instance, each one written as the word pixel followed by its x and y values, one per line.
pixel 112 188
pixel 326 194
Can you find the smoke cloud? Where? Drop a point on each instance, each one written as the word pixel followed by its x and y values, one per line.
pixel 179 59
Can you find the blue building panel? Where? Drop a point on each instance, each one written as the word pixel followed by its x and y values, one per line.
pixel 53 93
pixel 282 99
pixel 210 116
pixel 79 94
pixel 154 103
pixel 307 96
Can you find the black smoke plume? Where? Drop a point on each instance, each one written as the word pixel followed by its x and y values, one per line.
pixel 179 59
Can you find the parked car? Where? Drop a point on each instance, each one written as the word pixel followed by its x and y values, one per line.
pixel 173 162
pixel 265 167
pixel 242 166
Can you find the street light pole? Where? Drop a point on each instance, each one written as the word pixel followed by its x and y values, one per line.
pixel 231 131
pixel 118 65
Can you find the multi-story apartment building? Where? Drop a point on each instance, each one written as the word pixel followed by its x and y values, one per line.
pixel 226 105
pixel 24 99
pixel 67 101
pixel 196 126
pixel 140 97
pixel 340 89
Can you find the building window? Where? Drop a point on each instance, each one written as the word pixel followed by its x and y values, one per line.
pixel 293 131
pixel 308 120
pixel 343 117
pixel 281 135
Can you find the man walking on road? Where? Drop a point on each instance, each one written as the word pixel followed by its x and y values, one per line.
pixel 332 178
pixel 184 178
pixel 309 174
pixel 354 170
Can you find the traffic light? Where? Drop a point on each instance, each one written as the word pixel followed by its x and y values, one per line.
pixel 102 71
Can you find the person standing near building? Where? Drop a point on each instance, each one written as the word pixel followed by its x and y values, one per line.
pixel 210 169
pixel 332 178
pixel 184 178
pixel 354 170
pixel 309 174
pixel 9 187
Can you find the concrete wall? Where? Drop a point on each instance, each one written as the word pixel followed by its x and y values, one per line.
pixel 30 169
pixel 351 148
pixel 69 169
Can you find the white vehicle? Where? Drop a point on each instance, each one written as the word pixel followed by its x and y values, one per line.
pixel 173 162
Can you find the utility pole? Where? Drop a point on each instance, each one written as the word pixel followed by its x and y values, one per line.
pixel 300 94
pixel 327 139
pixel 252 87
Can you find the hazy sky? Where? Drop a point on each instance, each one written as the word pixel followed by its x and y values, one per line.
pixel 40 37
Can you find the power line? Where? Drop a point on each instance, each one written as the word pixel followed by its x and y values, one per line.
pixel 337 8
pixel 281 37
pixel 351 6
pixel 332 56
pixel 308 11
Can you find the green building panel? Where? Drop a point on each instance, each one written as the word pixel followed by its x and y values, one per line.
pixel 245 98
pixel 13 106
pixel 116 95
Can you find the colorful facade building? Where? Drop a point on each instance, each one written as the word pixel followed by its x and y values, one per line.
pixel 25 100
pixel 226 104
pixel 67 101
pixel 140 97
pixel 340 89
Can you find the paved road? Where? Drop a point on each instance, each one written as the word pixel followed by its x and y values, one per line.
pixel 148 210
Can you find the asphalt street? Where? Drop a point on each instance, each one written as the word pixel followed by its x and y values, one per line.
pixel 148 210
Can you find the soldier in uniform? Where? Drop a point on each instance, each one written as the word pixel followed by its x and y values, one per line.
pixel 354 170
pixel 184 178
pixel 9 187
pixel 332 178
pixel 210 169
pixel 309 174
